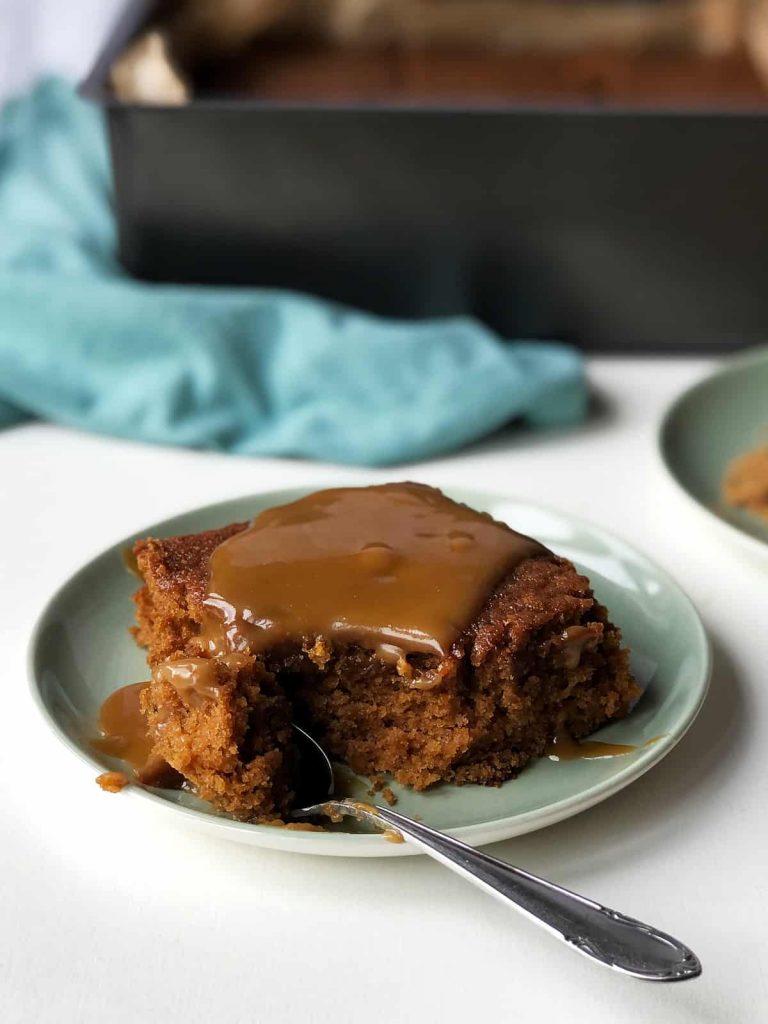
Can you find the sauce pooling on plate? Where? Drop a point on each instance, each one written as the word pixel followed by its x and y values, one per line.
pixel 398 569
pixel 124 734
pixel 564 748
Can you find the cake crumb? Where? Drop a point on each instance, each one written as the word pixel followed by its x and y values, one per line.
pixel 393 836
pixel 332 812
pixel 379 785
pixel 113 782
pixel 320 652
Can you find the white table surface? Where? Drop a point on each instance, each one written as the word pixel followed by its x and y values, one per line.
pixel 51 37
pixel 109 912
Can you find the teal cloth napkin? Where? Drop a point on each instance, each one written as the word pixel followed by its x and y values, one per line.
pixel 251 371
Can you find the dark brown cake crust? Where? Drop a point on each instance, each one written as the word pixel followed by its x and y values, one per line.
pixel 512 681
pixel 169 606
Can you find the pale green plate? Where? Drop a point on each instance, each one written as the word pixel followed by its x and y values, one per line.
pixel 721 417
pixel 81 652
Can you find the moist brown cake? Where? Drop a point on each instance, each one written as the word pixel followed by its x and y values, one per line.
pixel 538 657
pixel 655 54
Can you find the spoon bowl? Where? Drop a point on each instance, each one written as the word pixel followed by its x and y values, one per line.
pixel 313 777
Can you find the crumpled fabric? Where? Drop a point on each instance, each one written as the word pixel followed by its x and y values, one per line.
pixel 251 371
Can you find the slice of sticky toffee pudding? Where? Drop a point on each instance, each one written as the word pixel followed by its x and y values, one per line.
pixel 411 634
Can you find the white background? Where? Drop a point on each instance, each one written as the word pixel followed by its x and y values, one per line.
pixel 50 35
pixel 109 912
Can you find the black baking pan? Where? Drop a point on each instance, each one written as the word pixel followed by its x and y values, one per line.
pixel 621 231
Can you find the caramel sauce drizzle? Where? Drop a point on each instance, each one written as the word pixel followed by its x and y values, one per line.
pixel 398 569
pixel 564 748
pixel 124 735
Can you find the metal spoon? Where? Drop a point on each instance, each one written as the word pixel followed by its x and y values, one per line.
pixel 604 935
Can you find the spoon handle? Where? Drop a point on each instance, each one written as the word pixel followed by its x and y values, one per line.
pixel 604 935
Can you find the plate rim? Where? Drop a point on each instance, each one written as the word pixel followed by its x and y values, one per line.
pixel 734 366
pixel 338 844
